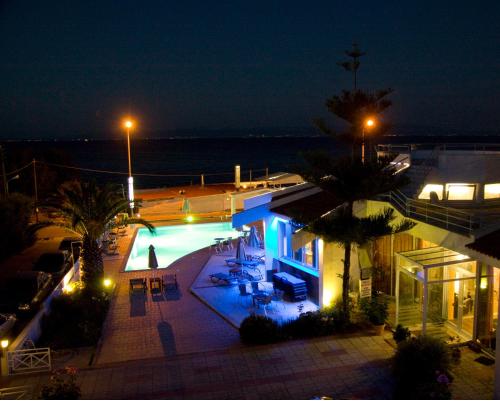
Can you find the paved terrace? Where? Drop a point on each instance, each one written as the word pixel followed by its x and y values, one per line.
pixel 171 324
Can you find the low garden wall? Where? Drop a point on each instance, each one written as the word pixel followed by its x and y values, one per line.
pixel 32 331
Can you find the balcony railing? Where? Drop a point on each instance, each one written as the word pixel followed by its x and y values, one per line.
pixel 441 216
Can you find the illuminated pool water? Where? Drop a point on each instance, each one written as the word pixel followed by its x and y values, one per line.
pixel 174 242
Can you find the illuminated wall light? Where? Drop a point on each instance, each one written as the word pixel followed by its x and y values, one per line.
pixel 484 283
pixel 426 192
pixel 68 289
pixel 189 219
pixel 107 282
pixel 492 191
pixel 4 343
pixel 459 191
pixel 327 297
pixel 131 191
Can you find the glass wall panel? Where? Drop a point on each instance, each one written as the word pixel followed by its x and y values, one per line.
pixel 410 301
pixel 487 310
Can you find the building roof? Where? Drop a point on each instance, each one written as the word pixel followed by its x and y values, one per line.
pixel 487 244
pixel 308 207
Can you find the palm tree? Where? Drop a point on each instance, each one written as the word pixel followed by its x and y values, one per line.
pixel 90 210
pixel 343 228
pixel 349 180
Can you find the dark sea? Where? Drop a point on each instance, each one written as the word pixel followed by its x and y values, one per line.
pixel 176 161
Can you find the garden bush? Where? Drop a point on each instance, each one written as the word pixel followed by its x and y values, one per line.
pixel 75 320
pixel 62 386
pixel 376 309
pixel 257 329
pixel 309 324
pixel 401 333
pixel 421 369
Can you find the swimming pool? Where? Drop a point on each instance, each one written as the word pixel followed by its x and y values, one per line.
pixel 174 242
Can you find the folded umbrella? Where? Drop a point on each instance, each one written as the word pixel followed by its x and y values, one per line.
pixel 152 261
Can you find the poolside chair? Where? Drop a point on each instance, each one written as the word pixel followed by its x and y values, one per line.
pixel 137 285
pixel 253 276
pixel 265 302
pixel 221 278
pixel 259 258
pixel 112 248
pixel 170 281
pixel 255 287
pixel 155 285
pixel 227 243
pixel 244 263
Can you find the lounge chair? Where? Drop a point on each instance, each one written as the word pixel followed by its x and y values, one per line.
pixel 156 285
pixel 255 275
pixel 259 258
pixel 170 281
pixel 217 278
pixel 137 285
pixel 244 263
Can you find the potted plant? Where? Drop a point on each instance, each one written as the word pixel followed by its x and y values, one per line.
pixel 376 310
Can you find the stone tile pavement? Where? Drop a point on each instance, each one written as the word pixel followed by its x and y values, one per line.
pixel 339 367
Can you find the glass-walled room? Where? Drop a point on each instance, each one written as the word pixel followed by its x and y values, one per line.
pixel 436 292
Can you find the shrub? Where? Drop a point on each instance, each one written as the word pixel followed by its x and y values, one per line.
pixel 257 329
pixel 401 333
pixel 420 366
pixel 309 324
pixel 376 309
pixel 75 319
pixel 62 386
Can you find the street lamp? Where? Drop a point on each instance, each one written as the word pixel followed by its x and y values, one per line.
pixel 16 177
pixel 369 123
pixel 129 124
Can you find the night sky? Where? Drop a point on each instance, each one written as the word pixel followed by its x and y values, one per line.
pixel 75 67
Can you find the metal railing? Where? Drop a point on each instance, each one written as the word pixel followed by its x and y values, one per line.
pixel 445 217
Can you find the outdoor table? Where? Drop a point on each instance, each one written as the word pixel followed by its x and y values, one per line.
pixel 294 287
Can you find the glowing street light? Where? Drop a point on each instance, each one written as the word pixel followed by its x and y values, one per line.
pixel 129 124
pixel 369 123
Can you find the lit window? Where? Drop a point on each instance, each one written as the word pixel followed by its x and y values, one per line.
pixel 307 254
pixel 426 192
pixel 492 191
pixel 460 191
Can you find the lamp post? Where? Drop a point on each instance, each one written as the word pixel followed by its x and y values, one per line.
pixel 366 124
pixel 16 177
pixel 129 124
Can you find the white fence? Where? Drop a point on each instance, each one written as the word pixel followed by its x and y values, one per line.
pixel 16 393
pixel 29 361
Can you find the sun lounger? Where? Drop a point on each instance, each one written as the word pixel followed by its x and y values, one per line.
pixel 243 263
pixel 252 276
pixel 170 281
pixel 137 285
pixel 217 278
pixel 155 285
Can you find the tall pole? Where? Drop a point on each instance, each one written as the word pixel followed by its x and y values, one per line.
pixel 363 145
pixel 35 190
pixel 128 148
pixel 4 174
pixel 128 126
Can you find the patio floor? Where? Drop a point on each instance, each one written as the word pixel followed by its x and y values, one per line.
pixel 227 301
